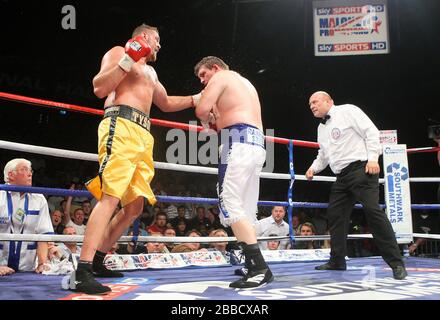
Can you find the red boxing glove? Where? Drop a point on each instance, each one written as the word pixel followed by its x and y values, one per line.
pixel 135 49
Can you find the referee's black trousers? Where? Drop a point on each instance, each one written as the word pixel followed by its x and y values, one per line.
pixel 353 185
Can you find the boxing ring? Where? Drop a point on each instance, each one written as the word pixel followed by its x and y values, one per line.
pixel 365 278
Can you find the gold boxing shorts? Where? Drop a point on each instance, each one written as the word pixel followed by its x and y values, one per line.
pixel 125 150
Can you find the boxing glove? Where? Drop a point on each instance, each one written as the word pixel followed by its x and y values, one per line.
pixel 135 49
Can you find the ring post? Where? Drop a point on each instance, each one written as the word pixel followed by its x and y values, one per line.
pixel 290 194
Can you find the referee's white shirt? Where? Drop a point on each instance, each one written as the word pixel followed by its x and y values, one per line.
pixel 349 135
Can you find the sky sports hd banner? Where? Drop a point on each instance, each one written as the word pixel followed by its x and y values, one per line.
pixel 352 27
pixel 397 191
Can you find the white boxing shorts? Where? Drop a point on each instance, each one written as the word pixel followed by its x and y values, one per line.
pixel 242 156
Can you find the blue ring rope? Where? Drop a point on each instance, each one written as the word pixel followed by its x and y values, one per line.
pixel 174 199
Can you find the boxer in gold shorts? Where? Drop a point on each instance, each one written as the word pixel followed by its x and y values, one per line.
pixel 130 86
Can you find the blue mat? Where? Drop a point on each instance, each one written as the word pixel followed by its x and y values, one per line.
pixel 365 279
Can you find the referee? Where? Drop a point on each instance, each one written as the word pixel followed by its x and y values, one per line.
pixel 349 143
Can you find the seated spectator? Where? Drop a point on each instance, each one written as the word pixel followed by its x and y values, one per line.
pixel 159 225
pixel 23 213
pixel 149 247
pixel 295 224
pixel 181 228
pixel 220 246
pixel 86 206
pixel 273 244
pixel 169 209
pixel 170 232
pixel 180 217
pixel 200 222
pixel 78 222
pixel 306 229
pixel 189 246
pixel 68 248
pixel 57 218
pixel 274 224
pixel 213 216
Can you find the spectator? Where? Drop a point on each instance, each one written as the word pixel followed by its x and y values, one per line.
pixel 78 222
pixel 170 232
pixel 189 246
pixel 86 206
pixel 169 209
pixel 220 246
pixel 56 218
pixel 29 215
pixel 273 244
pixel 200 222
pixel 274 224
pixel 149 247
pixel 181 210
pixel 181 228
pixel 159 225
pixel 68 248
pixel 296 224
pixel 307 229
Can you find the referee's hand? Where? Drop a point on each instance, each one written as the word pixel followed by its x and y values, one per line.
pixel 372 167
pixel 309 174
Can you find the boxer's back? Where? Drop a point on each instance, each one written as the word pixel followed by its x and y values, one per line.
pixel 239 102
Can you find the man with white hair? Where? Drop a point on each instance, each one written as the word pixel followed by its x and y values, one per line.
pixel 23 213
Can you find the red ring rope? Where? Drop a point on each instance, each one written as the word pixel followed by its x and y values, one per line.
pixel 165 123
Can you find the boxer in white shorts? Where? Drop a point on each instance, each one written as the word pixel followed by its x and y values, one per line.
pixel 230 105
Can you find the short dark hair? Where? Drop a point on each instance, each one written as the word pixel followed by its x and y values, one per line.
pixel 209 63
pixel 139 29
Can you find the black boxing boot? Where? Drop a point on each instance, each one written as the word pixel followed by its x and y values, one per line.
pixel 100 270
pixel 258 271
pixel 82 280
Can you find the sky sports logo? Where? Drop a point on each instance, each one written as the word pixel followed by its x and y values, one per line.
pixel 349 47
pixel 350 10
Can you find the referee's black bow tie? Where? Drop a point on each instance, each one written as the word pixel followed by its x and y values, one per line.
pixel 324 120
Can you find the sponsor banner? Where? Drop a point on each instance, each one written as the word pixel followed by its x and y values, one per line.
pixel 350 27
pixel 397 191
pixel 166 260
pixel 388 136
pixel 296 255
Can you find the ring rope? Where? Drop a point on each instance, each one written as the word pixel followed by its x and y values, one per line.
pixel 158 122
pixel 165 123
pixel 179 199
pixel 126 239
pixel 61 153
pixel 77 155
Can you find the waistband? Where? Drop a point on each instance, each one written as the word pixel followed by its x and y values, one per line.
pixel 129 113
pixel 352 166
pixel 242 133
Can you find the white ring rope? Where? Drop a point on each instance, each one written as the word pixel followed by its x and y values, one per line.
pixel 158 165
pixel 61 153
pixel 125 239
